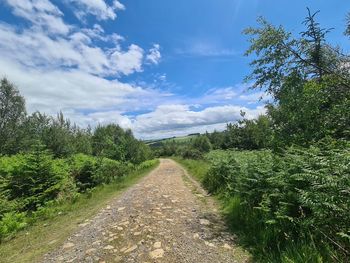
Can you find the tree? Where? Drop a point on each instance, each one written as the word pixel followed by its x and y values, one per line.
pixel 113 142
pixel 279 54
pixel 12 114
pixel 36 181
pixel 202 144
pixel 308 79
pixel 347 30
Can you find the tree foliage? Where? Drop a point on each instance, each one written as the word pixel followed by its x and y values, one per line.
pixel 12 113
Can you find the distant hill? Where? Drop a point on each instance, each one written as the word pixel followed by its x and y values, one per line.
pixel 158 142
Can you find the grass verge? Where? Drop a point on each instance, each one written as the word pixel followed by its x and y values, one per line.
pixel 33 242
pixel 196 168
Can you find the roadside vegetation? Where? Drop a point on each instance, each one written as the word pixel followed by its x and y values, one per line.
pixel 48 164
pixel 59 220
pixel 284 178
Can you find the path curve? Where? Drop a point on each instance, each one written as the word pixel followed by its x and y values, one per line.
pixel 165 217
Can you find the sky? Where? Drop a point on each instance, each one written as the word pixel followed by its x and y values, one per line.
pixel 161 68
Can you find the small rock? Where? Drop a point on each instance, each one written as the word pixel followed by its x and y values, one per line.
pixel 109 247
pixel 121 209
pixel 209 244
pixel 68 245
pixel 125 223
pixel 204 222
pixel 158 253
pixel 157 244
pixel 130 249
pixel 137 233
pixel 227 246
pixel 90 251
pixel 123 249
pixel 196 236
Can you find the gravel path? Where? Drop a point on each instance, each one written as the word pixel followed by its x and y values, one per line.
pixel 166 217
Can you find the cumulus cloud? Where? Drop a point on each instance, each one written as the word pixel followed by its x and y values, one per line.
pixel 62 67
pixel 154 55
pixel 42 13
pixel 37 49
pixel 131 60
pixel 176 119
pixel 55 90
pixel 98 8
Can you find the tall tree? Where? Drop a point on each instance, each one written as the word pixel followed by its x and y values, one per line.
pixel 12 114
pixel 308 79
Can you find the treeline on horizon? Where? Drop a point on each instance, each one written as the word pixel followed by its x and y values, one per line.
pixel 284 178
pixel 48 161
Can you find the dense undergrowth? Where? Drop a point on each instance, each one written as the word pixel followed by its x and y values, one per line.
pixel 291 206
pixel 35 185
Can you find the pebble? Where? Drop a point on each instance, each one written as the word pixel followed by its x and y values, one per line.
pixel 204 222
pixel 68 245
pixel 130 249
pixel 109 247
pixel 158 253
pixel 157 244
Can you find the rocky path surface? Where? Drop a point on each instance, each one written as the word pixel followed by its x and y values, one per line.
pixel 166 217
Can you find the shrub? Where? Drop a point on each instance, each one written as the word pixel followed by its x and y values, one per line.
pixel 34 180
pixel 191 153
pixel 302 193
pixel 11 223
pixel 82 169
pixel 109 170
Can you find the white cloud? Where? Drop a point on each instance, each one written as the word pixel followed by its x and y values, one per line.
pixel 176 119
pixel 98 8
pixel 60 67
pixel 106 117
pixel 154 55
pixel 220 94
pixel 34 48
pixel 129 61
pixel 55 90
pixel 42 13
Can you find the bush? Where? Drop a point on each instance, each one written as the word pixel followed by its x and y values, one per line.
pixel 32 180
pixel 302 193
pixel 191 153
pixel 11 223
pixel 82 169
pixel 146 164
pixel 109 171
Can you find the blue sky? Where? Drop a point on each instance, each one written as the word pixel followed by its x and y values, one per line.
pixel 161 68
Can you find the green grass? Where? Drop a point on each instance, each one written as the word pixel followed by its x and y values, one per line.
pixel 196 168
pixel 33 242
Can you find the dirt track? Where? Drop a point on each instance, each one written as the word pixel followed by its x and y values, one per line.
pixel 166 217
